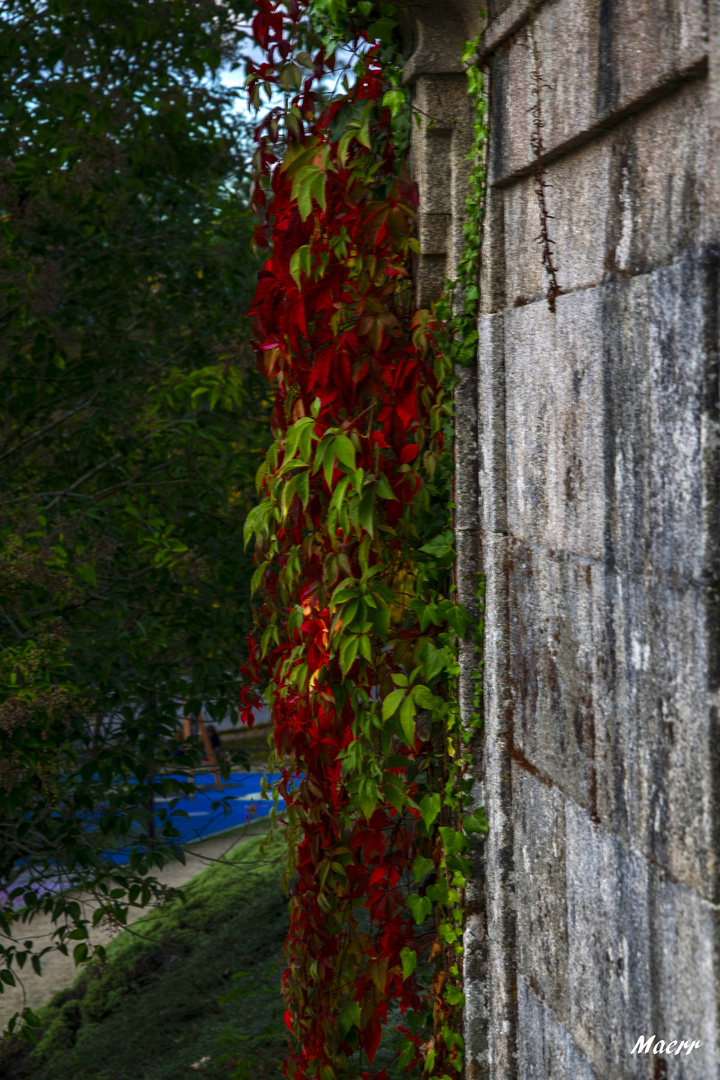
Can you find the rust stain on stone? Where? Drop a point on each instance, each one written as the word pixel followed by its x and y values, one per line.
pixel 519 758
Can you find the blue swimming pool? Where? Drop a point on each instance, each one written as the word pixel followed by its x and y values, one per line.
pixel 241 798
pixel 209 812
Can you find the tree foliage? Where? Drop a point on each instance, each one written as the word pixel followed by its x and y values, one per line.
pixel 130 418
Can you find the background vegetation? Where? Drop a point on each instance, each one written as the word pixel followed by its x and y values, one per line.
pixel 130 416
pixel 197 978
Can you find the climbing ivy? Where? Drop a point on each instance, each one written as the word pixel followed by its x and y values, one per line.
pixel 355 643
pixel 459 337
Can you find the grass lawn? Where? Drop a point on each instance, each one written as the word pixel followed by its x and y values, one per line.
pixel 194 981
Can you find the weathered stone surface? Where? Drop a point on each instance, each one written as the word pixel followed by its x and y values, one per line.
pixel 540 888
pixel 609 945
pixel 655 334
pixel 439 33
pixel 433 233
pixel 613 707
pixel 440 167
pixel 676 339
pixel 551 668
pixel 493 286
pixel 606 419
pixel 632 935
pixel 598 524
pixel 547 1050
pixel 475 973
pixel 685 994
pixel 491 407
pixel 654 742
pixel 496 8
pixel 529 361
pixel 555 424
pixel 502 1004
pixel 624 203
pixel 433 172
pixel 597 60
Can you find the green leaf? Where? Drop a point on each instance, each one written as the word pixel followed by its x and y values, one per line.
pixel 420 906
pixel 476 822
pixel 318 190
pixel 421 866
pixel 365 647
pixel 407 1054
pixel 86 573
pixel 31 1019
pixel 287 494
pixel 348 653
pixel 395 791
pixel 453 841
pixel 300 264
pixel 368 797
pixel 345 451
pixel 392 703
pixel 438 892
pixel 78 934
pixel 380 618
pixel 302 426
pixel 306 437
pixel 302 481
pixel 424 698
pixel 366 512
pixel 328 461
pixel 383 489
pixel 407 721
pixel 455 616
pixel 344 593
pixel 394 100
pixel 442 546
pixel 309 182
pixel 408 959
pixel 434 662
pixel 339 494
pixel 429 807
pixel 454 996
pixel 80 953
pixel 349 1017
pixel 344 146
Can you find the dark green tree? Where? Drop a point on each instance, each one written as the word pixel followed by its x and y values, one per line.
pixel 130 420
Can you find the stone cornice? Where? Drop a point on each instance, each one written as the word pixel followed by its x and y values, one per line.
pixel 440 32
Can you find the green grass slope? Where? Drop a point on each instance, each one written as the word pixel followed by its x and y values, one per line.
pixel 193 983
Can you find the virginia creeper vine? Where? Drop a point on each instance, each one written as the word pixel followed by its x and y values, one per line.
pixel 356 638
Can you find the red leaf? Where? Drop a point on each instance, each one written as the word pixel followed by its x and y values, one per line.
pixel 378 874
pixel 409 453
pixel 370 1037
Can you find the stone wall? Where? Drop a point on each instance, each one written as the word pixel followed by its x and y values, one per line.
pixel 588 493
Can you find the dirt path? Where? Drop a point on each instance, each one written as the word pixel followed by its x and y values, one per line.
pixel 59 971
